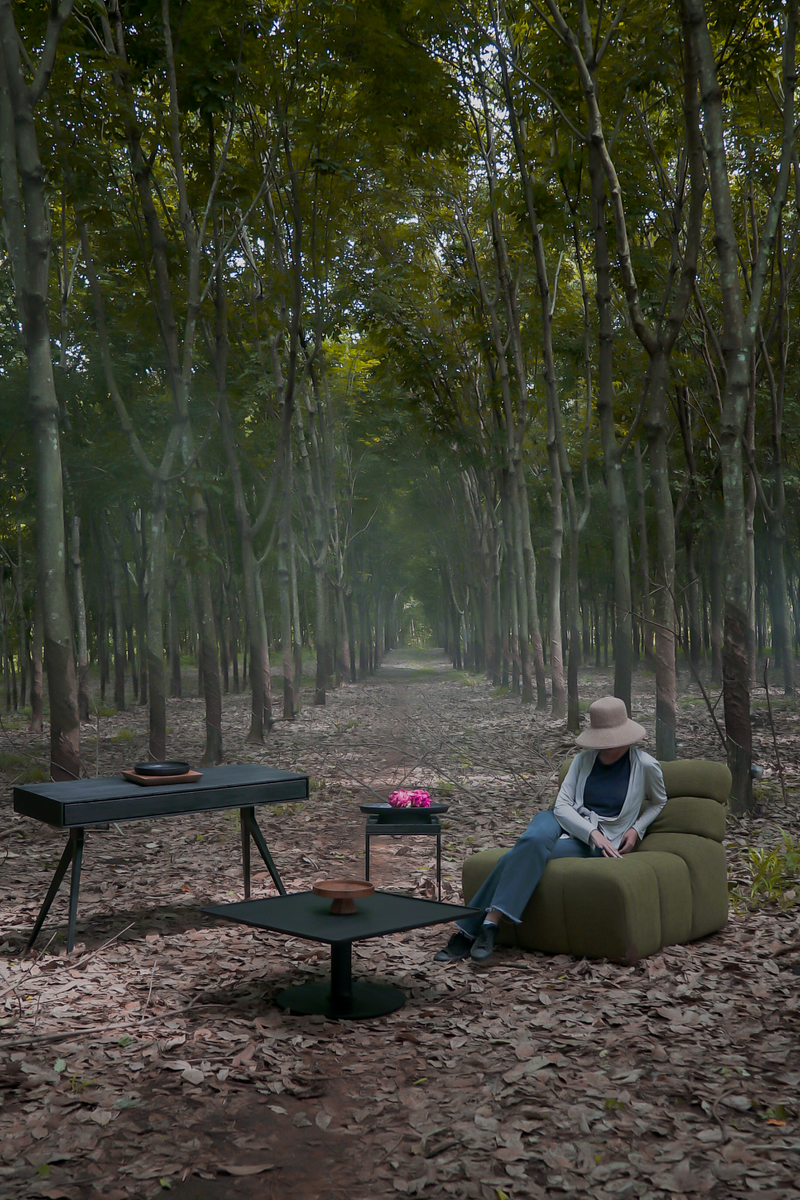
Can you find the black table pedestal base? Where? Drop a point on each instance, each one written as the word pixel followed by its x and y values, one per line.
pixel 365 1000
pixel 341 997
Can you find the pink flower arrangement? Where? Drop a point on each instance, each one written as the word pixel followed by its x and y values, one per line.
pixel 415 799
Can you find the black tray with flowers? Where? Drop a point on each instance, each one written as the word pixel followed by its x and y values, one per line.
pixel 405 806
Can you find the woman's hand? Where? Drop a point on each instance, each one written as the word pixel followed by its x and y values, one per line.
pixel 629 842
pixel 601 841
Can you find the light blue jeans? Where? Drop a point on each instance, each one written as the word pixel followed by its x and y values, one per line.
pixel 514 879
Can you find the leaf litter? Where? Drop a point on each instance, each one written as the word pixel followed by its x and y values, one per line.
pixel 153 1054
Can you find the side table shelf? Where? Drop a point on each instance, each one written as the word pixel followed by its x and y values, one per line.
pixel 425 827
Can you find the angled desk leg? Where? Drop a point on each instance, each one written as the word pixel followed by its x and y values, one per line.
pixel 250 829
pixel 73 853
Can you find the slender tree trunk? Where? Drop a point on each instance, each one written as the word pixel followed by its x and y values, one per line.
pixel 351 633
pixel 80 617
pixel 233 617
pixel 715 588
pixel 141 606
pixel 533 603
pixel 156 571
pixel 612 459
pixel 255 631
pixel 37 676
pixel 24 653
pixel 119 622
pixel 173 641
pixel 665 600
pixel 284 592
pixel 781 621
pixel 296 625
pixel 4 651
pixel 750 559
pixel 28 238
pixel 644 556
pixel 363 643
pixel 559 707
pixel 738 341
pixel 693 601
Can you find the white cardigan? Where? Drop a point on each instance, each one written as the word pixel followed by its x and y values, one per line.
pixel 646 783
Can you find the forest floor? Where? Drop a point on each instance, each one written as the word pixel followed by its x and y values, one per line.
pixel 153 1057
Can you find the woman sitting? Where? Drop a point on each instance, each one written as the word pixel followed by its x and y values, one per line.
pixel 598 813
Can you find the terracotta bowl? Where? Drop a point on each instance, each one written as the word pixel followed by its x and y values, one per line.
pixel 343 893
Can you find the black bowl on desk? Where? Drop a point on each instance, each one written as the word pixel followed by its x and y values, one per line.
pixel 162 769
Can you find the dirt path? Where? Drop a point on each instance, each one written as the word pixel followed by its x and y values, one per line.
pixel 156 1061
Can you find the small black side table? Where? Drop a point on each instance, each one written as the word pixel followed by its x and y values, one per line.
pixel 385 821
pixel 305 915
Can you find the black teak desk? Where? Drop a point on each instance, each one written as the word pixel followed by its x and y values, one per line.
pixel 305 915
pixel 83 803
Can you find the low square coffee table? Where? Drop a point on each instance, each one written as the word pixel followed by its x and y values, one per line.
pixel 305 915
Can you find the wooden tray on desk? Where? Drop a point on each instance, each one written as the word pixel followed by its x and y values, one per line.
pixel 161 780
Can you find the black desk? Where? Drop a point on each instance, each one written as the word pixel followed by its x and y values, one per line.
pixel 305 915
pixel 83 803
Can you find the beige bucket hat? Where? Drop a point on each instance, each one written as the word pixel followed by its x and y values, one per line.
pixel 610 726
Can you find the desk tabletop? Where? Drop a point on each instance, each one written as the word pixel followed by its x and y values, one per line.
pixel 83 802
pixel 305 915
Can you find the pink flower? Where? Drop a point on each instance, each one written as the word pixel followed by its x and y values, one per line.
pixel 414 799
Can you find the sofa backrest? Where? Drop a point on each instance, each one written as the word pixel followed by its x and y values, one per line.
pixel 687 777
pixel 697 791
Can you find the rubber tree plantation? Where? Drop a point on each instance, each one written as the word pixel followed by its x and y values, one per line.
pixel 380 384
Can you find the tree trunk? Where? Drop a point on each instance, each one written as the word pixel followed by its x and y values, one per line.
pixel 119 622
pixel 173 641
pixel 750 572
pixel 321 636
pixel 80 617
pixel 782 638
pixel 644 557
pixel 37 712
pixel 559 706
pixel 612 459
pixel 141 614
pixel 28 238
pixel 156 571
pixel 738 342
pixel 351 633
pixel 285 593
pixel 693 601
pixel 24 652
pixel 259 653
pixel 666 683
pixel 534 627
pixel 715 587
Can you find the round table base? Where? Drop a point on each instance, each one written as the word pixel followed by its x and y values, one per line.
pixel 366 1000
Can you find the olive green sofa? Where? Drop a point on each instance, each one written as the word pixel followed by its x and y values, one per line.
pixel 673 888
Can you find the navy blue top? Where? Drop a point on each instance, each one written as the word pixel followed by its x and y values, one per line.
pixel 607 786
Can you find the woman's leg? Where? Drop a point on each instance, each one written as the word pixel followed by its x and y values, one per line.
pixel 512 882
pixel 572 848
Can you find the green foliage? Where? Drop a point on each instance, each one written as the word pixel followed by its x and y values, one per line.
pixel 774 874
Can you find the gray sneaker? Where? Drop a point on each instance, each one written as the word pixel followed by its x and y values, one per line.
pixel 483 946
pixel 458 947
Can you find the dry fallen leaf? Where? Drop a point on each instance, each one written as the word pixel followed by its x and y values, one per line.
pixel 612 1079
